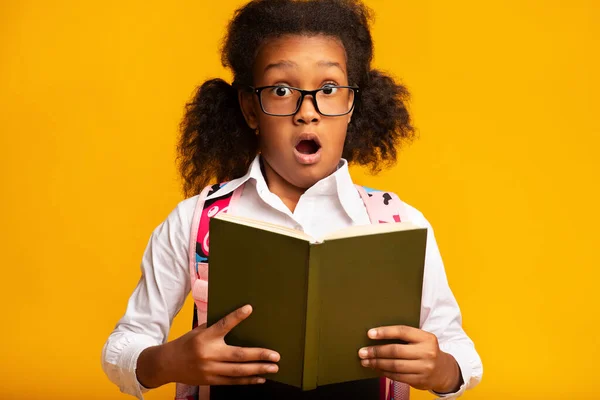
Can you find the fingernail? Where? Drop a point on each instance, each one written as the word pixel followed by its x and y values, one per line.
pixel 260 380
pixel 274 357
pixel 246 309
pixel 272 368
pixel 364 363
pixel 363 352
pixel 373 333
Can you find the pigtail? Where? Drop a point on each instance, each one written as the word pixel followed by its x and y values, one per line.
pixel 380 123
pixel 215 143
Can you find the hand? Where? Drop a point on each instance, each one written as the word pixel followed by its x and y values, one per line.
pixel 419 363
pixel 201 357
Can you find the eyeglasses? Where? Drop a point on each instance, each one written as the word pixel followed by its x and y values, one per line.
pixel 283 101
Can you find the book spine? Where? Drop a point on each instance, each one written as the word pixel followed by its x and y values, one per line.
pixel 311 336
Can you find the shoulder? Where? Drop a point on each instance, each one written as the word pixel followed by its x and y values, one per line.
pixel 183 214
pixel 414 216
pixel 185 208
pixel 180 218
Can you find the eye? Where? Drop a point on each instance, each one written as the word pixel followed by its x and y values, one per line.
pixel 329 89
pixel 281 91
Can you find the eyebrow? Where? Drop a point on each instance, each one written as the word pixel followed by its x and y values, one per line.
pixel 330 64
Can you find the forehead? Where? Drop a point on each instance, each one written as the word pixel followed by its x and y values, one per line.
pixel 300 51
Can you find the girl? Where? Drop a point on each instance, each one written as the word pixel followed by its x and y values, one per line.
pixel 304 103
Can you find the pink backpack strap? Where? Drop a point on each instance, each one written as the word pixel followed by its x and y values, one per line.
pixel 199 244
pixel 198 267
pixel 382 208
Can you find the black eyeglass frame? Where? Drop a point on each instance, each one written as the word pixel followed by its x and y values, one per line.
pixel 304 93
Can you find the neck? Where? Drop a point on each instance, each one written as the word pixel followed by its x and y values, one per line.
pixel 288 193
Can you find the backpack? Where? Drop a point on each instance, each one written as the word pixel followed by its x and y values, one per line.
pixel 382 207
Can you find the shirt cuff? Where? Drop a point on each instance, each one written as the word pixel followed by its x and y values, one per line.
pixel 465 368
pixel 121 364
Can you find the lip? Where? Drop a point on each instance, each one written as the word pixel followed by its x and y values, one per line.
pixel 307 159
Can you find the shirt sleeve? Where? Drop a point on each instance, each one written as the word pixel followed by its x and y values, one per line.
pixel 159 295
pixel 440 314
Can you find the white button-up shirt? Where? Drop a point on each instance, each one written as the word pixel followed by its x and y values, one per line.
pixel 331 204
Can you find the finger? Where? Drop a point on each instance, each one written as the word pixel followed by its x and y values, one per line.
pixel 240 370
pixel 225 380
pixel 231 320
pixel 245 354
pixel 402 332
pixel 397 351
pixel 393 366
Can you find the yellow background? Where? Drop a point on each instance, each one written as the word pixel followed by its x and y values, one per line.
pixel 505 97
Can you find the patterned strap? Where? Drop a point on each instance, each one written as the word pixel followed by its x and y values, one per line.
pixel 382 207
pixel 386 207
pixel 198 268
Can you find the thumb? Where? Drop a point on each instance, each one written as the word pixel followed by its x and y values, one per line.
pixel 230 321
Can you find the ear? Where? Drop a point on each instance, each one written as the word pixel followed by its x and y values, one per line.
pixel 246 100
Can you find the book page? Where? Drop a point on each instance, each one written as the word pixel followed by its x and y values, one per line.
pixel 282 230
pixel 363 230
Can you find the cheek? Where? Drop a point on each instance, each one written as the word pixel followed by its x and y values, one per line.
pixel 337 134
pixel 273 132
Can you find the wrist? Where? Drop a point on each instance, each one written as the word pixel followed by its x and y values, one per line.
pixel 153 366
pixel 450 376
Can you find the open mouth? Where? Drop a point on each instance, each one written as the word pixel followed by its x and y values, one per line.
pixel 307 149
pixel 308 146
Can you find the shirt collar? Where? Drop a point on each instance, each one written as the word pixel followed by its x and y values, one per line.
pixel 339 184
pixel 236 183
pixel 347 193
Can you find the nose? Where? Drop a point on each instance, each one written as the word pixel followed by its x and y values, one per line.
pixel 307 112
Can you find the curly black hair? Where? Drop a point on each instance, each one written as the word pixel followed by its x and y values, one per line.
pixel 215 141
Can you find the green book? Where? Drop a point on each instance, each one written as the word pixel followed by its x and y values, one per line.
pixel 314 299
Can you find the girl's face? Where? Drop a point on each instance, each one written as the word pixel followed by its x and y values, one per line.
pixel 307 146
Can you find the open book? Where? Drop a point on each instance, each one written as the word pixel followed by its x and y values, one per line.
pixel 314 299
